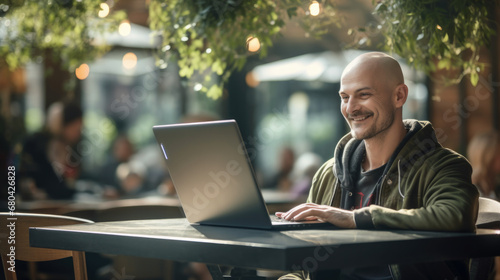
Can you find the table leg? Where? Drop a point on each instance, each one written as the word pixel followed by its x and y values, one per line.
pixel 215 272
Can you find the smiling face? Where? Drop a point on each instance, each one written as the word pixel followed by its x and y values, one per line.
pixel 371 88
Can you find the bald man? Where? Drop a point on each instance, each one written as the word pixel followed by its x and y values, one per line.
pixel 389 173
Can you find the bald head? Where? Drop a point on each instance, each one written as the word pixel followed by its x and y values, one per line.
pixel 375 64
pixel 373 93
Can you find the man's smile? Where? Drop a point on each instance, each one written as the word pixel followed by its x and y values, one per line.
pixel 362 118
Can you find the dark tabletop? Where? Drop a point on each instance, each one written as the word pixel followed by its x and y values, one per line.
pixel 176 239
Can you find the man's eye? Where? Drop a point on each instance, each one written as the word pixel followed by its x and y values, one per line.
pixel 364 94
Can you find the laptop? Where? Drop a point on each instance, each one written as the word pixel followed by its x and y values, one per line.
pixel 213 177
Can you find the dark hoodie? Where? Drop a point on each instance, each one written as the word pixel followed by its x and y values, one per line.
pixel 351 154
pixel 424 187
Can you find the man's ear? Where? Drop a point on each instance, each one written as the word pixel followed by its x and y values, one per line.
pixel 401 94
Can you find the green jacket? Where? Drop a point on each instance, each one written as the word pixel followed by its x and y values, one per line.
pixel 424 187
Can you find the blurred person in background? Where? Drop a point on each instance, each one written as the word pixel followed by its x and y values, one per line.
pixel 282 180
pixel 131 177
pixel 49 162
pixel 303 172
pixel 483 153
pixel 121 152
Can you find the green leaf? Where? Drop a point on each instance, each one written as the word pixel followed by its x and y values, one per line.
pixel 444 64
pixel 446 30
pixel 474 78
pixel 445 38
pixel 214 92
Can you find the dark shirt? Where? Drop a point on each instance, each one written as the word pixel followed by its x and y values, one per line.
pixel 365 192
pixel 364 195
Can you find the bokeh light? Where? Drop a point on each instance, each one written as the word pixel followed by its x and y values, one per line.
pixel 251 80
pixel 129 60
pixel 104 12
pixel 198 87
pixel 82 72
pixel 253 44
pixel 124 28
pixel 314 8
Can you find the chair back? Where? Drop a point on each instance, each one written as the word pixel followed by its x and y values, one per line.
pixel 139 212
pixel 14 242
pixel 488 216
pixel 488 213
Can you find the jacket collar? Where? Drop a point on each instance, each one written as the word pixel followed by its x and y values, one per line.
pixel 419 140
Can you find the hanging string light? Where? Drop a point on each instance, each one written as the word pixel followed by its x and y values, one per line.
pixel 314 8
pixel 124 28
pixel 253 44
pixel 104 12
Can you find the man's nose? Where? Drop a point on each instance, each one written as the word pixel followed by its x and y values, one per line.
pixel 352 106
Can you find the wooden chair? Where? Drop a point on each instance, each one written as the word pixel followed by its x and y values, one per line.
pixel 23 251
pixel 138 212
pixel 488 216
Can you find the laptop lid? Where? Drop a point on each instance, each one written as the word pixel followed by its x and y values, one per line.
pixel 212 174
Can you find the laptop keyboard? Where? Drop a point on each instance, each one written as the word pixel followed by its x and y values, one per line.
pixel 275 219
pixel 282 223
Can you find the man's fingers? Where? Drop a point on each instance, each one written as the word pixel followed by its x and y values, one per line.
pixel 310 211
pixel 293 212
pixel 309 214
pixel 296 213
pixel 304 213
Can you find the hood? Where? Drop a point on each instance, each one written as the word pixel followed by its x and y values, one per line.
pixel 349 151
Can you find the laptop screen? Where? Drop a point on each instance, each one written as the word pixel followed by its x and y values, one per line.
pixel 212 174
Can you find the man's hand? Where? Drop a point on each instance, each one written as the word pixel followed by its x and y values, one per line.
pixel 310 211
